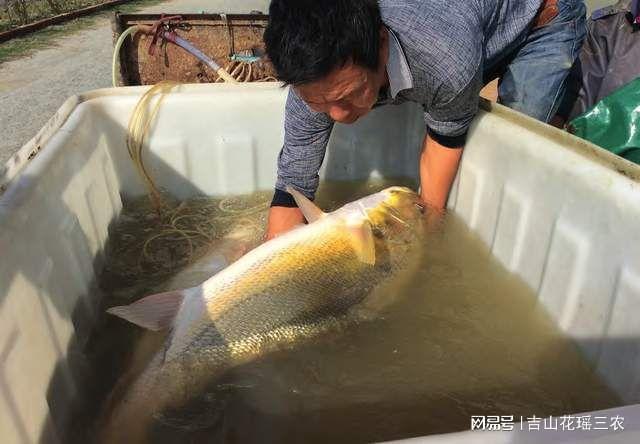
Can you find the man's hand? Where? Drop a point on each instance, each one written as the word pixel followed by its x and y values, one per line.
pixel 438 168
pixel 281 220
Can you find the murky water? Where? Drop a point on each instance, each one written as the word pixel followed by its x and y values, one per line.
pixel 463 338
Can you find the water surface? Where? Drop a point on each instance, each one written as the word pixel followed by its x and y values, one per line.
pixel 462 337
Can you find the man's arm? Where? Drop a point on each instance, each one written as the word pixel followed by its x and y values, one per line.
pixel 438 167
pixel 448 120
pixel 306 134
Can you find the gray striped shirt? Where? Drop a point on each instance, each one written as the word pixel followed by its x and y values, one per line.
pixel 438 53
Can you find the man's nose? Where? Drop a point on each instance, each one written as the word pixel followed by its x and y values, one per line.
pixel 339 112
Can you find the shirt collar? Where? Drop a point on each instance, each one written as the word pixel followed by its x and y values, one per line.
pixel 400 77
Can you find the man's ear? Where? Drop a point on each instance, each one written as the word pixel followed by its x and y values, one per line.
pixel 384 45
pixel 384 36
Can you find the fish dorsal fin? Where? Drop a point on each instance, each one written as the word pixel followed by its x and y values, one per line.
pixel 310 210
pixel 363 241
pixel 155 312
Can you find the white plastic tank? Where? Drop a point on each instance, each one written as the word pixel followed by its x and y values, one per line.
pixel 557 211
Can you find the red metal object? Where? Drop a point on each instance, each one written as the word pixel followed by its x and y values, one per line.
pixel 157 29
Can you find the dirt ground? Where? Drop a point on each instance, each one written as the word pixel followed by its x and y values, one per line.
pixel 34 87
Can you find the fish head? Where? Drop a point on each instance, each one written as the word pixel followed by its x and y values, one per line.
pixel 390 212
pixel 374 223
pixel 395 216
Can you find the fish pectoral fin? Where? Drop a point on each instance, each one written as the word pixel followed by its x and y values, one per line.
pixel 310 210
pixel 363 241
pixel 155 312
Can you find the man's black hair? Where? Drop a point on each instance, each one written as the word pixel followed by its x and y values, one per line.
pixel 307 39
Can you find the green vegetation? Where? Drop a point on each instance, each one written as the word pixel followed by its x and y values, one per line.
pixel 15 13
pixel 24 46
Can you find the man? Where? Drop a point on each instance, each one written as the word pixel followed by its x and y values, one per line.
pixel 342 57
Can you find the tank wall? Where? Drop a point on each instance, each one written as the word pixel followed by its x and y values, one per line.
pixel 562 214
pixel 551 209
pixel 53 226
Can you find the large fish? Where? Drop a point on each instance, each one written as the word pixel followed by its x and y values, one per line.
pixel 312 279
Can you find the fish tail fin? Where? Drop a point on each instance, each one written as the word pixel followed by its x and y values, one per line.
pixel 155 312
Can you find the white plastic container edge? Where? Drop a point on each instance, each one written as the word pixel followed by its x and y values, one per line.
pixel 559 212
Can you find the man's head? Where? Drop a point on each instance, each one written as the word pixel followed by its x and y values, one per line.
pixel 333 52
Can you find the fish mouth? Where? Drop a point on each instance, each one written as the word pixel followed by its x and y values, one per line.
pixel 401 197
pixel 398 192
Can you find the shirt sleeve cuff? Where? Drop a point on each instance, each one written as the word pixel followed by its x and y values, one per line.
pixel 449 141
pixel 283 199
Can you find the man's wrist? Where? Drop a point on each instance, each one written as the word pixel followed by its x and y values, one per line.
pixel 438 167
pixel 454 142
pixel 282 219
pixel 283 199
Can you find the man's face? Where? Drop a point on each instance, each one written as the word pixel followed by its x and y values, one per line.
pixel 349 92
pixel 346 94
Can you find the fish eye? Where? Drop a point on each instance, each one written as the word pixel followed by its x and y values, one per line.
pixel 377 232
